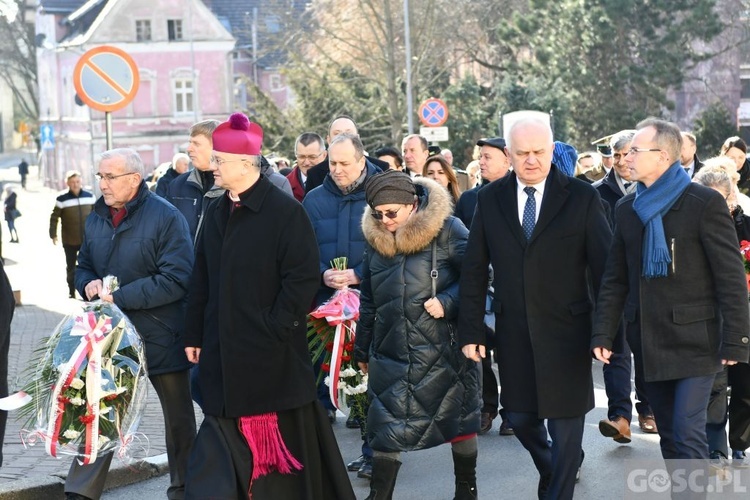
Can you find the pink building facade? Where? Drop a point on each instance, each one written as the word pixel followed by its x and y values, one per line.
pixel 183 54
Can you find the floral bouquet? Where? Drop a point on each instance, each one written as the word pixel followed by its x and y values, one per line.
pixel 331 331
pixel 88 384
pixel 745 251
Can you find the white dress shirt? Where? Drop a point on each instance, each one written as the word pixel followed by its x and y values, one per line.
pixel 522 197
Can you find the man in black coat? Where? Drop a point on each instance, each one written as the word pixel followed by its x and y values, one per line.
pixel 688 157
pixel 617 373
pixel 546 236
pixel 250 292
pixel 493 165
pixel 675 272
pixel 23 171
pixel 342 124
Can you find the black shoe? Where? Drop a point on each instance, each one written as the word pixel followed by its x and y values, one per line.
pixel 356 464
pixel 365 472
pixel 332 416
pixel 352 422
pixel 486 422
pixel 580 466
pixel 506 429
pixel 740 460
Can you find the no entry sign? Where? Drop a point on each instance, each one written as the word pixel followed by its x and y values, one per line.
pixel 106 78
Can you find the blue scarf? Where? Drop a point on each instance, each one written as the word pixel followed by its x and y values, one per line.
pixel 651 204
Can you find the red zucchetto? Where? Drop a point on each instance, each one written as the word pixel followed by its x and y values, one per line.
pixel 239 136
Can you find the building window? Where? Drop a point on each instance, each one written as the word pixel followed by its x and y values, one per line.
pixel 183 96
pixel 174 29
pixel 275 82
pixel 745 92
pixel 143 30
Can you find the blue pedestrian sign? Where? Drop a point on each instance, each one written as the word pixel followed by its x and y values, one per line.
pixel 433 112
pixel 47 136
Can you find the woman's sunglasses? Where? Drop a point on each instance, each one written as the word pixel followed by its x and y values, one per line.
pixel 391 214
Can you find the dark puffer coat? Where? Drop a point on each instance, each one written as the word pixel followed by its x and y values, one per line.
pixel 151 255
pixel 423 391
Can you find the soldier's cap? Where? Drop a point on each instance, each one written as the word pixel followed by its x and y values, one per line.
pixel 605 150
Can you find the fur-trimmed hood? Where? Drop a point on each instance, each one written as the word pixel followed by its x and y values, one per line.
pixel 435 206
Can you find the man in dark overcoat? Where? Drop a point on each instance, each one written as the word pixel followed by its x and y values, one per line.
pixel 618 372
pixel 546 236
pixel 675 272
pixel 250 291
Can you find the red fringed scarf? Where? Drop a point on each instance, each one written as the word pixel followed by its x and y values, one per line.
pixel 267 446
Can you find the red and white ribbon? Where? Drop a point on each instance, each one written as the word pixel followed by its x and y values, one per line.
pixel 92 332
pixel 339 339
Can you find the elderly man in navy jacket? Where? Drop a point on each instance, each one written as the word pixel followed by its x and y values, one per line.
pixel 142 240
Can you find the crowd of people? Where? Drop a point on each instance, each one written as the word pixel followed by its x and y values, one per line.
pixel 220 266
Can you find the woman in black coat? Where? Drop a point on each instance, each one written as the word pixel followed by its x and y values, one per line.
pixel 11 213
pixel 423 392
pixel 738 376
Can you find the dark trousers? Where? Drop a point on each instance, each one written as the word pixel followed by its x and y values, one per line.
pixel 617 384
pixel 173 390
pixel 680 408
pixel 490 393
pixel 716 415
pixel 557 462
pixel 71 254
pixel 739 406
pixel 195 386
pixel 490 386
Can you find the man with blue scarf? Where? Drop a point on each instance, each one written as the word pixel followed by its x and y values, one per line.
pixel 675 275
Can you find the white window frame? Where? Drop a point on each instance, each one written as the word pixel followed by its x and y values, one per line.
pixel 179 34
pixel 146 23
pixel 183 76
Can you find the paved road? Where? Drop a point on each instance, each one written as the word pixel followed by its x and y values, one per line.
pixel 504 468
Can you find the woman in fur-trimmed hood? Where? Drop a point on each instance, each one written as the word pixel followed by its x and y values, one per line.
pixel 423 392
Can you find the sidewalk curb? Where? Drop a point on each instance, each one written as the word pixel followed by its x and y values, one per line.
pixel 36 487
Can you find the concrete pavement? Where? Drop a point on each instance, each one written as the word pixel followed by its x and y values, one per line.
pixel 36 268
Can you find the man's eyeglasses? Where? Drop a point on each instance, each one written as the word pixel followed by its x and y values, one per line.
pixel 309 157
pixel 391 214
pixel 109 177
pixel 221 161
pixel 641 150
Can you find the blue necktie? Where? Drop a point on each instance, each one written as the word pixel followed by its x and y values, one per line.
pixel 529 212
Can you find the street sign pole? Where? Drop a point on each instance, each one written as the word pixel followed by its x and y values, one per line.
pixel 108 127
pixel 106 79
